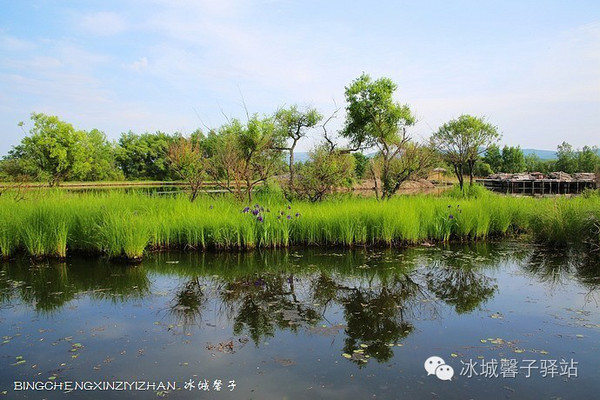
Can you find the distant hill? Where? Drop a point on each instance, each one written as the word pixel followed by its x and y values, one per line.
pixel 300 156
pixel 543 154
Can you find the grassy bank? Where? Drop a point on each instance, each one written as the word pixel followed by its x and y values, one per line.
pixel 51 223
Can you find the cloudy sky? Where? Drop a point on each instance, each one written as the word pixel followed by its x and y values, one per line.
pixel 531 67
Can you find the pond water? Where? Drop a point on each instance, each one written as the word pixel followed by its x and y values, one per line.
pixel 511 320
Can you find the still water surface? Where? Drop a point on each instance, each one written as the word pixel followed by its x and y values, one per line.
pixel 304 324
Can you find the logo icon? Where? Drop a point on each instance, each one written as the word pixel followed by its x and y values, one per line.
pixel 435 365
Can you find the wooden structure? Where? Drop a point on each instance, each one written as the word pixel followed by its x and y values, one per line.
pixel 538 184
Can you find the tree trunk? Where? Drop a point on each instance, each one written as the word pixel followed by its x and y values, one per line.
pixel 292 166
pixel 387 190
pixel 459 175
pixel 375 186
pixel 471 167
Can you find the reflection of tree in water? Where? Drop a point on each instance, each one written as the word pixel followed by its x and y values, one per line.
pixel 377 316
pixel 464 288
pixel 458 278
pixel 188 302
pixel 261 302
pixel 48 287
pixel 559 267
pixel 381 293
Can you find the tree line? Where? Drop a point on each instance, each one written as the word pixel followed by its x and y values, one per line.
pixel 513 160
pixel 240 155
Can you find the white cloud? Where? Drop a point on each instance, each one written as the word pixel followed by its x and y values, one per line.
pixel 103 23
pixel 140 64
pixel 13 44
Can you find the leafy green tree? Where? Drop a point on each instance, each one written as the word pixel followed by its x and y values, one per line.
pixel 566 158
pixel 588 159
pixel 513 160
pixel 361 163
pixel 482 169
pixel 324 172
pixel 188 158
pixel 493 158
pixel 244 155
pixel 374 119
pixel 293 124
pixel 532 162
pixel 53 151
pixel 98 159
pixel 461 141
pixel 145 156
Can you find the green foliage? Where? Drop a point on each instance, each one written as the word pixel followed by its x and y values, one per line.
pixel 189 161
pixel 559 222
pixel 292 125
pixel 482 169
pixel 493 158
pixel 462 140
pixel 535 164
pixel 361 163
pixel 570 160
pixel 98 159
pixel 512 159
pixel 471 192
pixel 145 156
pixel 53 151
pixel 588 159
pixel 241 156
pixel 566 158
pixel 374 119
pixel 323 173
pixel 270 190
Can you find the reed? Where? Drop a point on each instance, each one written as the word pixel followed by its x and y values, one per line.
pixel 51 223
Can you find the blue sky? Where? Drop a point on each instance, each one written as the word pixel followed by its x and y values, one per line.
pixel 531 67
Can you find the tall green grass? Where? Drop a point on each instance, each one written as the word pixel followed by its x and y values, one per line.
pixel 51 223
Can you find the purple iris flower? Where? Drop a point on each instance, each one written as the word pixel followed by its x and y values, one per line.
pixel 451 216
pixel 255 212
pixel 246 209
pixel 289 217
pixel 259 218
pixel 289 207
pixel 297 215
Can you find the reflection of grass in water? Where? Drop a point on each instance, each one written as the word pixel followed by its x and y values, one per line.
pixel 128 225
pixel 381 293
pixel 48 287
